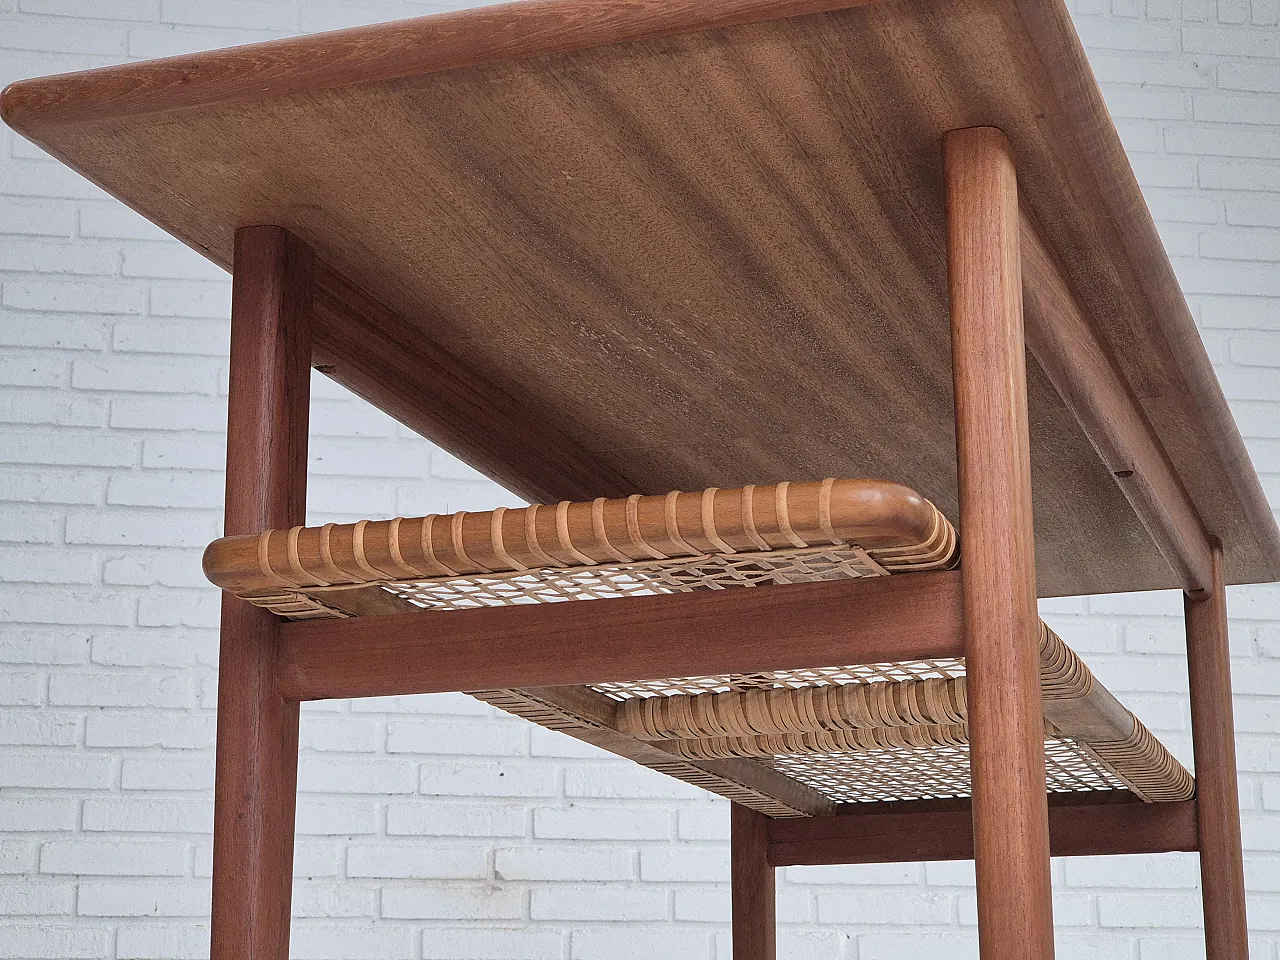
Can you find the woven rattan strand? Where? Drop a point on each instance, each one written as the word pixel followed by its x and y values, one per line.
pixel 910 715
pixel 853 733
pixel 783 533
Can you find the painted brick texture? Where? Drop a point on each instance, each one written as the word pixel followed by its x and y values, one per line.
pixel 433 827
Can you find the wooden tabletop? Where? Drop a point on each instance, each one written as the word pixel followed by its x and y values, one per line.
pixel 658 244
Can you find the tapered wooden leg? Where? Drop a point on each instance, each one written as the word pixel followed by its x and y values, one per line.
pixel 1010 813
pixel 755 920
pixel 1217 796
pixel 257 753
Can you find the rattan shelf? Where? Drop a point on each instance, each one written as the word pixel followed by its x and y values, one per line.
pixel 850 732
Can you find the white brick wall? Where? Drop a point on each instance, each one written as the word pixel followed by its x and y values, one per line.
pixel 433 827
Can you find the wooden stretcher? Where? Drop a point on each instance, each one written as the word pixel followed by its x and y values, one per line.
pixel 612 248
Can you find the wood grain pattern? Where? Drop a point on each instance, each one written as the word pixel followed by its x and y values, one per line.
pixel 383 52
pixel 873 620
pixel 755 902
pixel 1080 825
pixel 1226 931
pixel 1001 627
pixel 1143 318
pixel 378 355
pixel 257 748
pixel 1073 357
pixel 538 208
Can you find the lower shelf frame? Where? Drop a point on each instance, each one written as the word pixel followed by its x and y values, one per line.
pixel 1107 822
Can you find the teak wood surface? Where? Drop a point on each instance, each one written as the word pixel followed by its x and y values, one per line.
pixel 1074 358
pixel 1080 825
pixel 257 751
pixel 755 903
pixel 871 620
pixel 1006 742
pixel 660 244
pixel 1226 933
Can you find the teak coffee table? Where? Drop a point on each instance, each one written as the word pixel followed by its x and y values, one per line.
pixel 749 250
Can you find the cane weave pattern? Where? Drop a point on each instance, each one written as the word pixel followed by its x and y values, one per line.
pixel 710 540
pixel 852 733
pixel 790 679
pixel 941 771
pixel 887 731
pixel 611 581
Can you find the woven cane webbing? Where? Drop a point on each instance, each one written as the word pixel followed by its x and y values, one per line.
pixel 1145 766
pixel 937 772
pixel 599 582
pixel 918 707
pixel 831 728
pixel 921 736
pixel 785 533
pixel 725 683
pixel 923 761
pixel 892 731
pixel 705 572
pixel 856 705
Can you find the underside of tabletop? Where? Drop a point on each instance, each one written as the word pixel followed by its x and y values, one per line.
pixel 703 242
